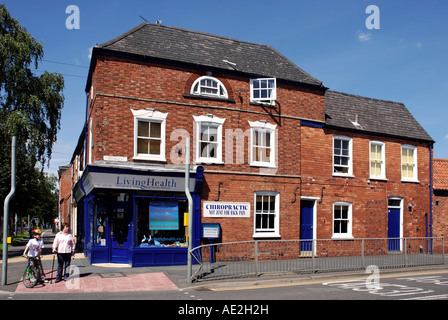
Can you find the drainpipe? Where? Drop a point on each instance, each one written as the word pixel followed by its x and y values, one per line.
pixel 190 209
pixel 430 193
pixel 6 210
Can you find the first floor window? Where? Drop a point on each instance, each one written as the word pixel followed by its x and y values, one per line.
pixel 266 214
pixel 342 224
pixel 342 156
pixel 408 163
pixel 149 137
pixel 262 144
pixel 377 160
pixel 208 139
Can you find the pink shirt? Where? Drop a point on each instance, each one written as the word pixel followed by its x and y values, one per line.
pixel 63 243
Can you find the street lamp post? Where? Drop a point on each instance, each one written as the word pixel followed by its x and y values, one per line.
pixel 6 210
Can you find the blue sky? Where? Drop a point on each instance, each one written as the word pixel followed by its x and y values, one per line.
pixel 406 60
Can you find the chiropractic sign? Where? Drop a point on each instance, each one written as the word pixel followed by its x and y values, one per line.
pixel 226 209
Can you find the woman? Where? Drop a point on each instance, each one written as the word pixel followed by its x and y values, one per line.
pixel 64 246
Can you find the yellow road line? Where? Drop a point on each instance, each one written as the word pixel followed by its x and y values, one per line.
pixel 280 285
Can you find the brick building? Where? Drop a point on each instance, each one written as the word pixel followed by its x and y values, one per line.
pixel 276 154
pixel 440 201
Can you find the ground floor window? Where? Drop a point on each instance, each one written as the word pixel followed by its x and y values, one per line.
pixel 342 220
pixel 160 223
pixel 266 214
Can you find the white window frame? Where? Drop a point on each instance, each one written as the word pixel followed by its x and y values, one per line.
pixel 196 88
pixel 348 235
pixel 268 100
pixel 349 172
pixel 273 232
pixel 150 115
pixel 216 122
pixel 414 177
pixel 263 126
pixel 382 176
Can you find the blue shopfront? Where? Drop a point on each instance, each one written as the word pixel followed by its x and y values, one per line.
pixel 137 215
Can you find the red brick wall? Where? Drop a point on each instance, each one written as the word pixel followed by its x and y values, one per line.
pixel 113 124
pixel 65 188
pixel 440 214
pixel 119 85
pixel 369 198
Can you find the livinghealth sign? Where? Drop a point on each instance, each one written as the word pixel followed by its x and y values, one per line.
pixel 226 209
pixel 134 182
pixel 163 215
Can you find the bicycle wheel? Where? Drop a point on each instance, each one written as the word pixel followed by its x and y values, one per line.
pixel 30 277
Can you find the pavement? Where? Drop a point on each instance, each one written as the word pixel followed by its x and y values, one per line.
pixel 85 277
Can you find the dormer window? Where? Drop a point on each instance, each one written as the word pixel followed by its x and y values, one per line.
pixel 209 87
pixel 263 91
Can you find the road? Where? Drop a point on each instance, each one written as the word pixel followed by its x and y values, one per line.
pixel 420 285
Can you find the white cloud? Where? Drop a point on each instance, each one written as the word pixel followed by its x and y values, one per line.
pixel 90 53
pixel 364 36
pixel 446 137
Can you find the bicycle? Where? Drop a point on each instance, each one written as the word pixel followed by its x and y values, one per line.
pixel 31 274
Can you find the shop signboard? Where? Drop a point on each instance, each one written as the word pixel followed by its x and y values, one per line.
pixel 226 209
pixel 163 215
pixel 134 182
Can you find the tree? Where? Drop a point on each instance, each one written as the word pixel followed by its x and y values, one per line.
pixel 30 108
pixel 30 105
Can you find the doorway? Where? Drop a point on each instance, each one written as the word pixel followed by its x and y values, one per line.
pixel 307 230
pixel 394 224
pixel 120 225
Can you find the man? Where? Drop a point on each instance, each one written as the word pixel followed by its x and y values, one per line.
pixel 64 246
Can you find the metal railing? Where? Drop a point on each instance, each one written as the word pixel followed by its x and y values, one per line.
pixel 269 257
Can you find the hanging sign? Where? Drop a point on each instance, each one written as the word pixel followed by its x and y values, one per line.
pixel 163 215
pixel 226 209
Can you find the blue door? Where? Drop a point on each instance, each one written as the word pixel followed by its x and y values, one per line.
pixel 306 224
pixel 120 232
pixel 393 229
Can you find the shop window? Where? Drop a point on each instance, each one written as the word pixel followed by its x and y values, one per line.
pixel 342 220
pixel 100 225
pixel 266 222
pixel 263 91
pixel 342 156
pixel 209 139
pixel 149 134
pixel 160 223
pixel 262 144
pixel 209 87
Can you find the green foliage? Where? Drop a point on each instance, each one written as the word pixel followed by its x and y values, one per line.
pixel 30 108
pixel 30 105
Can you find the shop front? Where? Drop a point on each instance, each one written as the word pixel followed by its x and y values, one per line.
pixel 135 216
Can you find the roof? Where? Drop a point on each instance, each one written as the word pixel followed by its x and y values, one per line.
pixel 441 174
pixel 357 113
pixel 202 49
